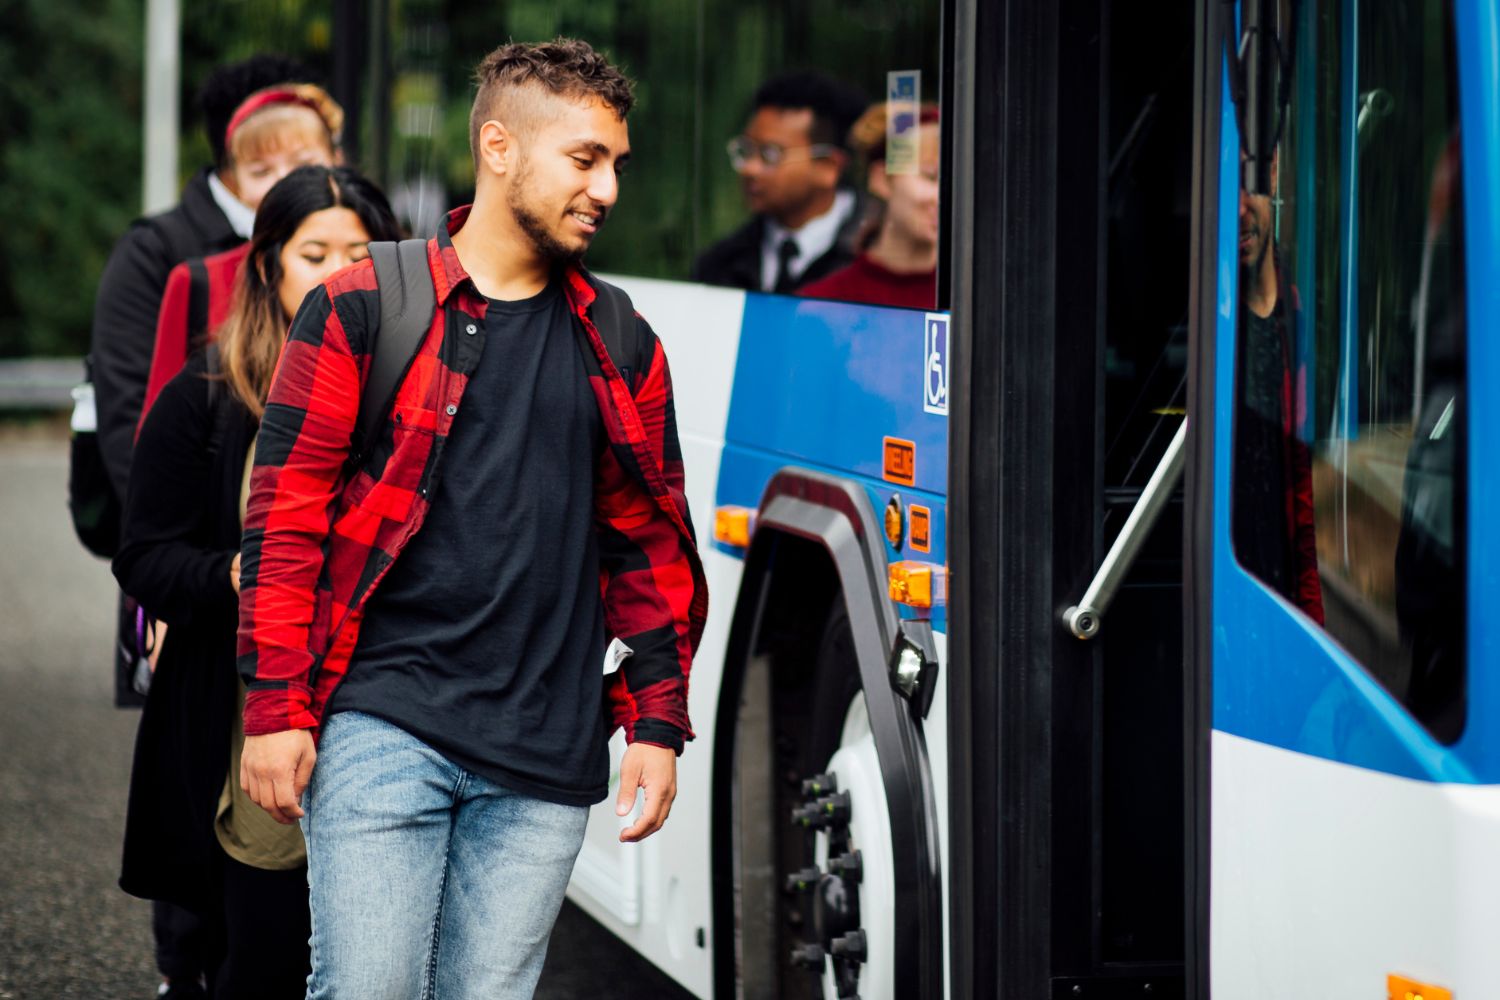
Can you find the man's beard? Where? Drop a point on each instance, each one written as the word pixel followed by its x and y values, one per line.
pixel 546 244
pixel 1259 246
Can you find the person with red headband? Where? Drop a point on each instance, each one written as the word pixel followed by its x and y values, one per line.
pixel 275 131
pixel 270 134
pixel 216 213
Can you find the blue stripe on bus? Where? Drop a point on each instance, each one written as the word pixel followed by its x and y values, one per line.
pixel 1477 27
pixel 826 382
pixel 820 385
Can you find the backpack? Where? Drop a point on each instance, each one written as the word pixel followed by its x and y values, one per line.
pixel 92 504
pixel 407 301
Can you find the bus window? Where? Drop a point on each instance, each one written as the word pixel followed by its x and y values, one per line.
pixel 706 166
pixel 1348 474
pixel 842 194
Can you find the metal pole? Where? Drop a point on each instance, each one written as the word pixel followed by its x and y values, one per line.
pixel 1083 619
pixel 351 32
pixel 378 150
pixel 159 116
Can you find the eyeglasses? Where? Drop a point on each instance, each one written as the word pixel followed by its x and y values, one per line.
pixel 742 149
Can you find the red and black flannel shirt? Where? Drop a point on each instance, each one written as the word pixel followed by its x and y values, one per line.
pixel 318 538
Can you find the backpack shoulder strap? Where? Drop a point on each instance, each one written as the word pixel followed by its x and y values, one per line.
pixel 221 407
pixel 614 318
pixel 407 300
pixel 197 312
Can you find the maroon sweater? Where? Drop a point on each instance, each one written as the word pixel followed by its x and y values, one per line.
pixel 866 281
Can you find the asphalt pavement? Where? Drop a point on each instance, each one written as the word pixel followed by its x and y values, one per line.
pixel 66 930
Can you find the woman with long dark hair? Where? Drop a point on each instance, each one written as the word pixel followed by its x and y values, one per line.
pixel 191 836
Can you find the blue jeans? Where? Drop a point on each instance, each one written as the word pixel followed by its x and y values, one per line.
pixel 426 880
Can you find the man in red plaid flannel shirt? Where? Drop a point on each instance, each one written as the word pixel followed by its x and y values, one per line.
pixel 438 616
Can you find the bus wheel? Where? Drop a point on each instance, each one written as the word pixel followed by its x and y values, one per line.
pixel 846 880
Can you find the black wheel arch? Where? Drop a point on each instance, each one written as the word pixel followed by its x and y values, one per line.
pixel 836 516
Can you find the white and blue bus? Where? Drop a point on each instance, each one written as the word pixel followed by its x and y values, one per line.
pixel 1114 628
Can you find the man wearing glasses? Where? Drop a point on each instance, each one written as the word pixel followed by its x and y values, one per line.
pixel 791 160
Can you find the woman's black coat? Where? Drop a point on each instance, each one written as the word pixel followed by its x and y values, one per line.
pixel 181 531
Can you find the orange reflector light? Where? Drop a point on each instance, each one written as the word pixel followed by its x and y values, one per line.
pixel 894 529
pixel 1401 988
pixel 732 526
pixel 918 584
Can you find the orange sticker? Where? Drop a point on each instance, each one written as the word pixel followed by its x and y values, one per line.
pixel 921 528
pixel 901 461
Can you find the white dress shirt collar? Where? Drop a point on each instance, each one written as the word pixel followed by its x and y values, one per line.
pixel 816 237
pixel 241 218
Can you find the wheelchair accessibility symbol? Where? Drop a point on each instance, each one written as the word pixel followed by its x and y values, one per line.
pixel 935 365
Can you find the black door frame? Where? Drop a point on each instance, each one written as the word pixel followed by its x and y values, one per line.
pixel 1211 22
pixel 1003 291
pixel 1009 106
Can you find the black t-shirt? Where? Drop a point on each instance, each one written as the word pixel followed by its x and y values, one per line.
pixel 1262 527
pixel 486 638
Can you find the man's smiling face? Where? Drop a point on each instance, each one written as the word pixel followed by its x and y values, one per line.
pixel 568 175
pixel 1256 223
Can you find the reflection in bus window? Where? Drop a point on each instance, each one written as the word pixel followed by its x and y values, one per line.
pixel 897 243
pixel 697 68
pixel 792 160
pixel 1273 504
pixel 1350 425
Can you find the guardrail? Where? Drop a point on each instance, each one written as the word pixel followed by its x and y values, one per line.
pixel 38 383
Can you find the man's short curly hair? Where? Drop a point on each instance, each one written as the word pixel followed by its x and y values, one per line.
pixel 565 67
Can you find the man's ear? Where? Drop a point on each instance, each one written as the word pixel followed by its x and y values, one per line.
pixel 879 181
pixel 839 161
pixel 496 148
pixel 829 170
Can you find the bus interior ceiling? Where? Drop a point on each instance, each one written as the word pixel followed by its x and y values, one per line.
pixel 1118 792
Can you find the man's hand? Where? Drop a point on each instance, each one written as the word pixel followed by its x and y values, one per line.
pixel 653 769
pixel 275 768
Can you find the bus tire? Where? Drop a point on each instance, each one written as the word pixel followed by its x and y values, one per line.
pixel 839 818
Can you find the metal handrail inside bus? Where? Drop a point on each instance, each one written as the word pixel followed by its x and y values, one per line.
pixel 1084 618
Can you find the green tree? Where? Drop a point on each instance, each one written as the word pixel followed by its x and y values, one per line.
pixel 70 139
pixel 70 153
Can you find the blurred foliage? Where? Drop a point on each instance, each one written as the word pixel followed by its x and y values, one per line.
pixel 70 153
pixel 696 64
pixel 70 115
pixel 70 139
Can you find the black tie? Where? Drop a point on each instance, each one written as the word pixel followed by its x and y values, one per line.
pixel 785 254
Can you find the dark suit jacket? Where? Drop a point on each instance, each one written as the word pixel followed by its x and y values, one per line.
pixel 735 260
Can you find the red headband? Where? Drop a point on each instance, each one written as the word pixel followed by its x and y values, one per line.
pixel 263 99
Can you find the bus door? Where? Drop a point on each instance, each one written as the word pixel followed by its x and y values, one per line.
pixel 1070 306
pixel 1339 595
